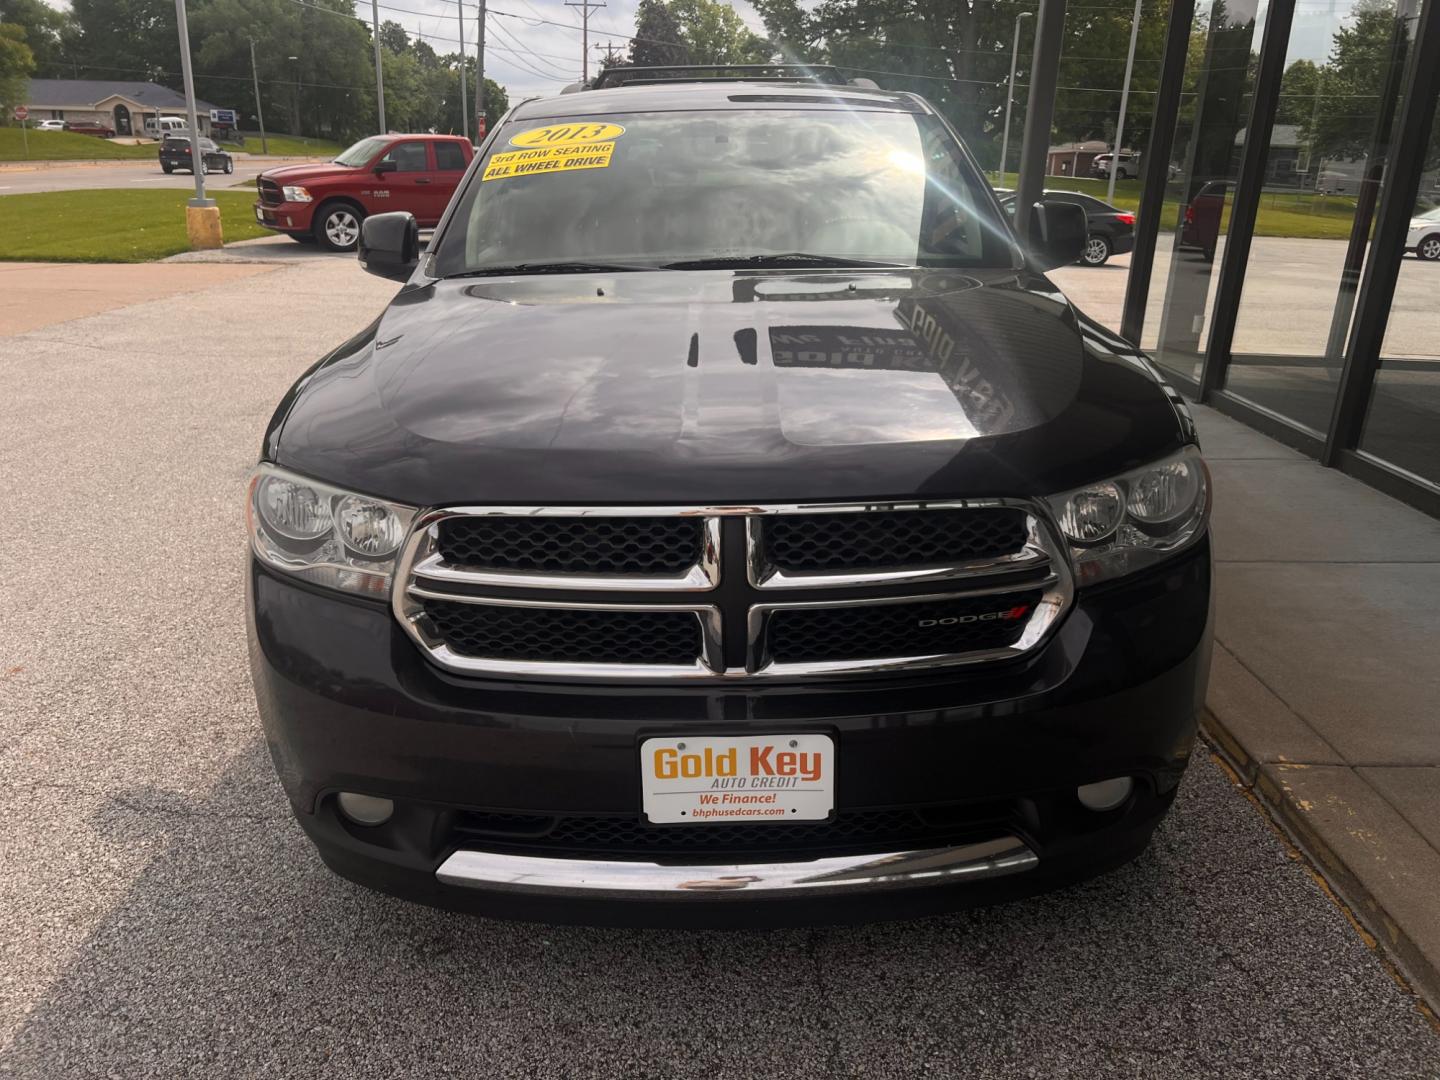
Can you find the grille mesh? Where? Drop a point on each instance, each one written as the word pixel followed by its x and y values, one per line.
pixel 883 630
pixel 588 545
pixel 849 829
pixel 899 538
pixel 563 635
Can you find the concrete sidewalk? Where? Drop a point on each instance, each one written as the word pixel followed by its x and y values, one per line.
pixel 1325 693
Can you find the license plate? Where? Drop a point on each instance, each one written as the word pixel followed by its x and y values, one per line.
pixel 259 215
pixel 714 780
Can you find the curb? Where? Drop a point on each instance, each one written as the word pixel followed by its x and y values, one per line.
pixel 1359 902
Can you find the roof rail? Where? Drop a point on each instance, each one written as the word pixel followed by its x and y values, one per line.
pixel 627 74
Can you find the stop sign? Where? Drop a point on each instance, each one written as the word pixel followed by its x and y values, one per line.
pixel 21 112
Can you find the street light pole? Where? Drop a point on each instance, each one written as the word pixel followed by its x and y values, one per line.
pixel 202 215
pixel 197 159
pixel 1124 101
pixel 379 73
pixel 259 112
pixel 1010 93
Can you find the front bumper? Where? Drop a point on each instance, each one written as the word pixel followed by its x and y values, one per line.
pixel 286 217
pixel 350 704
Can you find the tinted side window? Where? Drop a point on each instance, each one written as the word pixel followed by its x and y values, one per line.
pixel 448 155
pixel 408 157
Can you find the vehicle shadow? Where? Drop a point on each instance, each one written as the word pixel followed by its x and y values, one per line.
pixel 236 954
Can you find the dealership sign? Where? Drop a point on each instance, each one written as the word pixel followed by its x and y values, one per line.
pixel 223 116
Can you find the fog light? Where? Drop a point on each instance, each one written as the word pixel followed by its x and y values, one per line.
pixel 365 809
pixel 1107 794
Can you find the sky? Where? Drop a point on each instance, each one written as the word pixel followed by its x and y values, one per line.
pixel 524 51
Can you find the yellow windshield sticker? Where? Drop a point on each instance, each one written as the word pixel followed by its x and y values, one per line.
pixel 568 134
pixel 548 159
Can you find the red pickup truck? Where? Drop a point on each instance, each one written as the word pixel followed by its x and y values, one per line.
pixel 327 202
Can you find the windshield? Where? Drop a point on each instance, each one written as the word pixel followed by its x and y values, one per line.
pixel 652 189
pixel 362 151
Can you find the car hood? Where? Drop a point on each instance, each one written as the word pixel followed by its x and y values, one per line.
pixel 308 173
pixel 714 387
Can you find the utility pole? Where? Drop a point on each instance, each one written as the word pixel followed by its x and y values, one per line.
pixel 1124 100
pixel 379 73
pixel 585 7
pixel 259 112
pixel 464 97
pixel 480 76
pixel 1010 92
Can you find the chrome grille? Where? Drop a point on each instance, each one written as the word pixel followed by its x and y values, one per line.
pixel 811 543
pixel 954 625
pixel 567 635
pixel 579 593
pixel 620 546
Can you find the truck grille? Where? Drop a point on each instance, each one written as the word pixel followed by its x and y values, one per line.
pixel 615 594
pixel 567 635
pixel 599 546
pixel 270 193
pixel 849 830
pixel 962 624
pixel 839 542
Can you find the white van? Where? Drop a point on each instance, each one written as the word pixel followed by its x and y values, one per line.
pixel 167 123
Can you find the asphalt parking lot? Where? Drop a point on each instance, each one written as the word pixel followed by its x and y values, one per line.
pixel 19 180
pixel 165 917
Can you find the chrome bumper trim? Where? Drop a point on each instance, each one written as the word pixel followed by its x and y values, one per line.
pixel 620 880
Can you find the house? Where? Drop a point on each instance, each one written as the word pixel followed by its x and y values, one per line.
pixel 1282 163
pixel 1073 158
pixel 123 106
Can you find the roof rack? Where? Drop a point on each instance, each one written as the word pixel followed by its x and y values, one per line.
pixel 629 75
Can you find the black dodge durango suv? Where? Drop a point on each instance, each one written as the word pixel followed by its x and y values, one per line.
pixel 728 522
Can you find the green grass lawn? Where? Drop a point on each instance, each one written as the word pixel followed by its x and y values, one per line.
pixel 110 226
pixel 64 146
pixel 289 145
pixel 1288 214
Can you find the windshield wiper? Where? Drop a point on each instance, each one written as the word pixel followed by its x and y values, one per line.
pixel 551 268
pixel 788 258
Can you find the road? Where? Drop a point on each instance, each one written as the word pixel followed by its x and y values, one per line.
pixel 164 917
pixel 124 174
pixel 1285 308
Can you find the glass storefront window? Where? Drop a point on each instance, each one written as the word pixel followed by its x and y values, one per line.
pixel 1402 425
pixel 1220 107
pixel 1331 122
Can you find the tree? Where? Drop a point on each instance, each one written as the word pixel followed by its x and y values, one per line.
pixel 658 41
pixel 127 39
pixel 16 64
pixel 47 31
pixel 1342 121
pixel 714 34
pixel 394 38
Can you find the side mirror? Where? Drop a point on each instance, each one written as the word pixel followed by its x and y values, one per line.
pixel 390 244
pixel 383 167
pixel 1057 234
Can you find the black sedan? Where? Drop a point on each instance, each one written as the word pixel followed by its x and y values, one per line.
pixel 175 153
pixel 1112 230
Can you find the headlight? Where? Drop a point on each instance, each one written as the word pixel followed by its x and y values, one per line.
pixel 323 533
pixel 1122 525
pixel 295 193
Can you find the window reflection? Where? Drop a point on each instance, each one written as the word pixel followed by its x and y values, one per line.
pixel 1322 174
